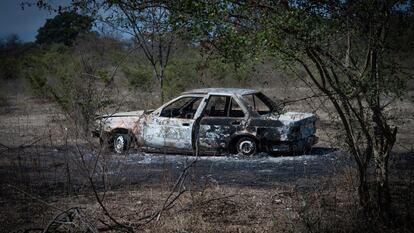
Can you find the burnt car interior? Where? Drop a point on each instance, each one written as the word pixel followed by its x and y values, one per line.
pixel 184 107
pixel 222 106
pixel 218 106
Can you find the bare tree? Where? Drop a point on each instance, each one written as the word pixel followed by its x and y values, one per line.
pixel 147 22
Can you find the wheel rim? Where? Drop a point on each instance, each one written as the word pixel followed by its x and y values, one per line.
pixel 246 147
pixel 119 144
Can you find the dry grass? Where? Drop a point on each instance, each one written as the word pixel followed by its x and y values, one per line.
pixel 36 180
pixel 213 209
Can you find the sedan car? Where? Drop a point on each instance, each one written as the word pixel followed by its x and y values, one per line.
pixel 211 121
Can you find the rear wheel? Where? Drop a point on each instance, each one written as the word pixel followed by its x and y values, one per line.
pixel 246 146
pixel 121 143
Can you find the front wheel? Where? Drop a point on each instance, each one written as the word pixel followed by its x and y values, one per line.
pixel 246 146
pixel 121 143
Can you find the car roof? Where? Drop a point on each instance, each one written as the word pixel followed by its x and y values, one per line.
pixel 239 91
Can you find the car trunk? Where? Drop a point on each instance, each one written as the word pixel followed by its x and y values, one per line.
pixel 301 124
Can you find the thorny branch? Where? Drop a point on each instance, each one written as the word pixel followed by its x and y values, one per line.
pixel 34 198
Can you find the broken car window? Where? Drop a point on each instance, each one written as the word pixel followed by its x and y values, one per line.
pixel 259 103
pixel 184 107
pixel 223 106
pixel 235 109
pixel 217 106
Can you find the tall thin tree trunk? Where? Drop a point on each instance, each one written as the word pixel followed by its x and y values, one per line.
pixel 348 47
pixel 161 87
pixel 363 192
pixel 160 78
pixel 383 142
pixel 382 182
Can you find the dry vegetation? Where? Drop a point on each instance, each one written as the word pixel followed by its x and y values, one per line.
pixel 43 173
pixel 48 165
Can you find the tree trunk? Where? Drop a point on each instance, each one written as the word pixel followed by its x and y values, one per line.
pixel 363 191
pixel 161 87
pixel 160 78
pixel 382 183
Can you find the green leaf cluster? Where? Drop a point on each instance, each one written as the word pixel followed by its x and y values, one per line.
pixel 64 28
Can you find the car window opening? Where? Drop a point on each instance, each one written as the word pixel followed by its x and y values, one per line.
pixel 223 106
pixel 260 103
pixel 185 107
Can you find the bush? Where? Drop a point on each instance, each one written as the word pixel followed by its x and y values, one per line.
pixel 139 77
pixel 180 75
pixel 73 82
pixel 11 52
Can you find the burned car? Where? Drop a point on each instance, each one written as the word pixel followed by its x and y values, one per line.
pixel 211 121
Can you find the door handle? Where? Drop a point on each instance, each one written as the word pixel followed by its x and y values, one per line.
pixel 235 123
pixel 186 124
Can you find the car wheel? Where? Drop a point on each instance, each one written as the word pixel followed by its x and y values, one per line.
pixel 121 143
pixel 246 146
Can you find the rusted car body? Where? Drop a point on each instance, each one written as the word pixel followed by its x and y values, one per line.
pixel 211 121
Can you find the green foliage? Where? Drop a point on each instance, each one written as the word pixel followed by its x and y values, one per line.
pixel 104 76
pixel 55 73
pixel 11 52
pixel 42 64
pixel 186 70
pixel 139 77
pixel 64 28
pixel 231 74
pixel 180 75
pixel 207 25
pixel 10 68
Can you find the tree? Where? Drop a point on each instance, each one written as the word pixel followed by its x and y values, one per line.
pixel 347 49
pixel 149 26
pixel 12 50
pixel 64 28
pixel 147 22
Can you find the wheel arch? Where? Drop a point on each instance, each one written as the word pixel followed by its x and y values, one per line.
pixel 121 131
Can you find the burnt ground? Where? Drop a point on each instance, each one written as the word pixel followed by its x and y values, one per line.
pixel 258 171
pixel 40 167
pixel 236 188
pixel 54 167
pixel 32 176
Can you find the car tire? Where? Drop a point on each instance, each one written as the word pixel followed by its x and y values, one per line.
pixel 246 146
pixel 121 143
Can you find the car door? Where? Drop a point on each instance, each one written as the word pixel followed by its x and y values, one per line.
pixel 221 118
pixel 171 127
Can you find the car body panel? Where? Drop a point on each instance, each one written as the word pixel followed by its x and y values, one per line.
pixel 165 132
